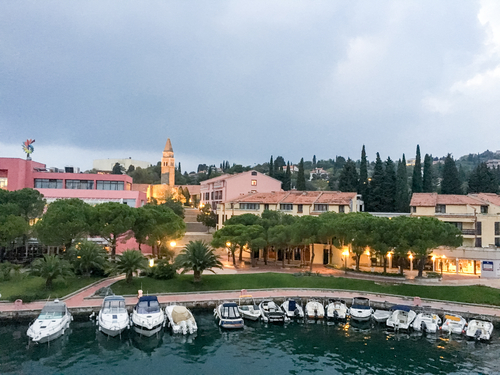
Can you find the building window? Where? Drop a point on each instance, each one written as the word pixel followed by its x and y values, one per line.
pixel 497 241
pixel 218 194
pixel 497 228
pixel 45 183
pixel 459 225
pixel 440 208
pixel 254 173
pixel 300 208
pixel 320 207
pixel 484 209
pixel 249 206
pixel 3 182
pixel 110 185
pixel 266 206
pixel 479 243
pixel 342 209
pixel 286 207
pixel 479 228
pixel 80 184
pixel 129 202
pixel 254 182
pixel 413 209
pixel 207 196
pixel 212 195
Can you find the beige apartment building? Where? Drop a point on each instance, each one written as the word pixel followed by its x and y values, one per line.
pixel 478 217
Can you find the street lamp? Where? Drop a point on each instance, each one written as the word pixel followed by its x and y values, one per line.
pixel 433 263
pixel 151 262
pixel 172 244
pixel 345 254
pixel 411 261
pixel 442 263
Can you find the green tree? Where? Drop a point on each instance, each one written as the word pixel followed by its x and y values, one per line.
pixel 402 192
pixel 389 187
pixel 207 217
pixel 363 177
pixel 112 221
pixel 384 237
pixel 29 201
pixel 450 184
pixel 271 167
pixel 230 237
pixel 64 221
pixel 348 180
pixel 416 181
pixel 163 227
pixel 482 180
pixel 301 179
pixel 88 257
pixel 130 169
pixel 305 232
pixel 197 256
pixel 428 175
pixel 377 187
pixel 11 228
pixel 287 182
pixel 117 169
pixel 131 261
pixel 50 267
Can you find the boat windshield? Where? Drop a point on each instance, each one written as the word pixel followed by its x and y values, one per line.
pixel 230 312
pixel 148 307
pixel 113 307
pixel 52 311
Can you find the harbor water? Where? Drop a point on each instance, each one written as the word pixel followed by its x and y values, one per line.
pixel 333 348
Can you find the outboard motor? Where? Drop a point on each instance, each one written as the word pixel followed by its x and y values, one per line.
pixel 190 326
pixel 183 327
pixel 423 327
pixel 335 314
pixel 316 312
pixel 478 333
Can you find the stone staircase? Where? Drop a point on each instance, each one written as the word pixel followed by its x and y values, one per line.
pixel 194 230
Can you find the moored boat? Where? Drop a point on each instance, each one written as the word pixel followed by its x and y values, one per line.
pixel 147 317
pixel 453 323
pixel 272 313
pixel 51 323
pixel 336 309
pixel 180 319
pixel 381 316
pixel 401 317
pixel 360 309
pixel 479 329
pixel 426 322
pixel 113 317
pixel 292 309
pixel 248 308
pixel 314 310
pixel 228 316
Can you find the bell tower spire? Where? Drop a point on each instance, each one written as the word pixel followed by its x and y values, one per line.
pixel 168 165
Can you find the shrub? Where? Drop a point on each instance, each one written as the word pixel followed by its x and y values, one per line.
pixel 163 270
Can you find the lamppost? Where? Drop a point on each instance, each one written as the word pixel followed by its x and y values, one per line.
pixel 345 254
pixel 411 261
pixel 389 254
pixel 228 245
pixel 433 263
pixel 442 264
pixel 172 244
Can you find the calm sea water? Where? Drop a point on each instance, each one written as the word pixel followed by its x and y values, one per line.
pixel 258 349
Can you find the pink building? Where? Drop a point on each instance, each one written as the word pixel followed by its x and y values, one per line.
pixel 18 174
pixel 230 186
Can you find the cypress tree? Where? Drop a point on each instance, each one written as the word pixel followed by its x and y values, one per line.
pixel 376 186
pixel 349 180
pixel 389 187
pixel 287 183
pixel 450 184
pixel 402 193
pixel 363 177
pixel 301 179
pixel 314 160
pixel 482 180
pixel 271 167
pixel 416 181
pixel 428 173
pixel 180 168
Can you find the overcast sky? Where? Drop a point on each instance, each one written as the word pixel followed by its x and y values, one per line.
pixel 244 80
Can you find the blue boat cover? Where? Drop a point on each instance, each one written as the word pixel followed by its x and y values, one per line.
pixel 229 304
pixel 401 307
pixel 291 305
pixel 148 298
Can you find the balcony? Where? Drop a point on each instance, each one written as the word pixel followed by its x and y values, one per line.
pixel 468 232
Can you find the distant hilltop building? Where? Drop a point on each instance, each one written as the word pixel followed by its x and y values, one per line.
pixel 168 165
pixel 106 165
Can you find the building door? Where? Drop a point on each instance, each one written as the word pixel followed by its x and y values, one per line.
pixel 325 256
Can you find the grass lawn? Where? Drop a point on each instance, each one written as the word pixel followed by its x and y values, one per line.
pixel 30 288
pixel 184 283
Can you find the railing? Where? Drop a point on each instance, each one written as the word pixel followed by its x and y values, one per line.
pixel 469 232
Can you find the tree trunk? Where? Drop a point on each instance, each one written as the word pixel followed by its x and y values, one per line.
pixel 421 265
pixel 197 276
pixel 312 258
pixel 385 264
pixel 241 254
pixel 48 283
pixel 113 247
pixel 358 258
pixel 265 255
pixel 283 258
pixel 233 255
pixel 401 271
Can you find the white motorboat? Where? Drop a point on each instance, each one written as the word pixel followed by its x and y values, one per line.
pixel 401 318
pixel 272 313
pixel 426 322
pixel 314 310
pixel 336 309
pixel 248 308
pixel 360 309
pixel 147 317
pixel 292 309
pixel 381 316
pixel 228 315
pixel 453 324
pixel 51 323
pixel 113 317
pixel 479 329
pixel 180 319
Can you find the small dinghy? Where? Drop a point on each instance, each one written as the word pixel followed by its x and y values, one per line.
pixel 314 310
pixel 228 315
pixel 479 329
pixel 147 317
pixel 426 322
pixel 401 318
pixel 113 317
pixel 360 309
pixel 381 316
pixel 51 323
pixel 292 309
pixel 272 313
pixel 336 309
pixel 453 324
pixel 248 308
pixel 180 319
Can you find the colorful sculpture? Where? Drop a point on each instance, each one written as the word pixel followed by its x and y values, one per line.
pixel 28 148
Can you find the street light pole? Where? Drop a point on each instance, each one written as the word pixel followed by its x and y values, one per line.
pixel 345 254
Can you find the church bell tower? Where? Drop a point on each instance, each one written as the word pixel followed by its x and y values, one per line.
pixel 168 165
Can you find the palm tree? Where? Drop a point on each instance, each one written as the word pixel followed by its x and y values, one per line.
pixel 131 261
pixel 197 256
pixel 88 256
pixel 50 267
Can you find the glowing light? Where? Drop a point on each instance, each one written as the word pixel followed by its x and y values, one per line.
pixel 173 243
pixel 389 255
pixel 345 252
pixel 410 256
pixel 433 258
pixel 228 244
pixel 151 263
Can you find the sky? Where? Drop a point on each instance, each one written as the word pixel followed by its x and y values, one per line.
pixel 244 80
